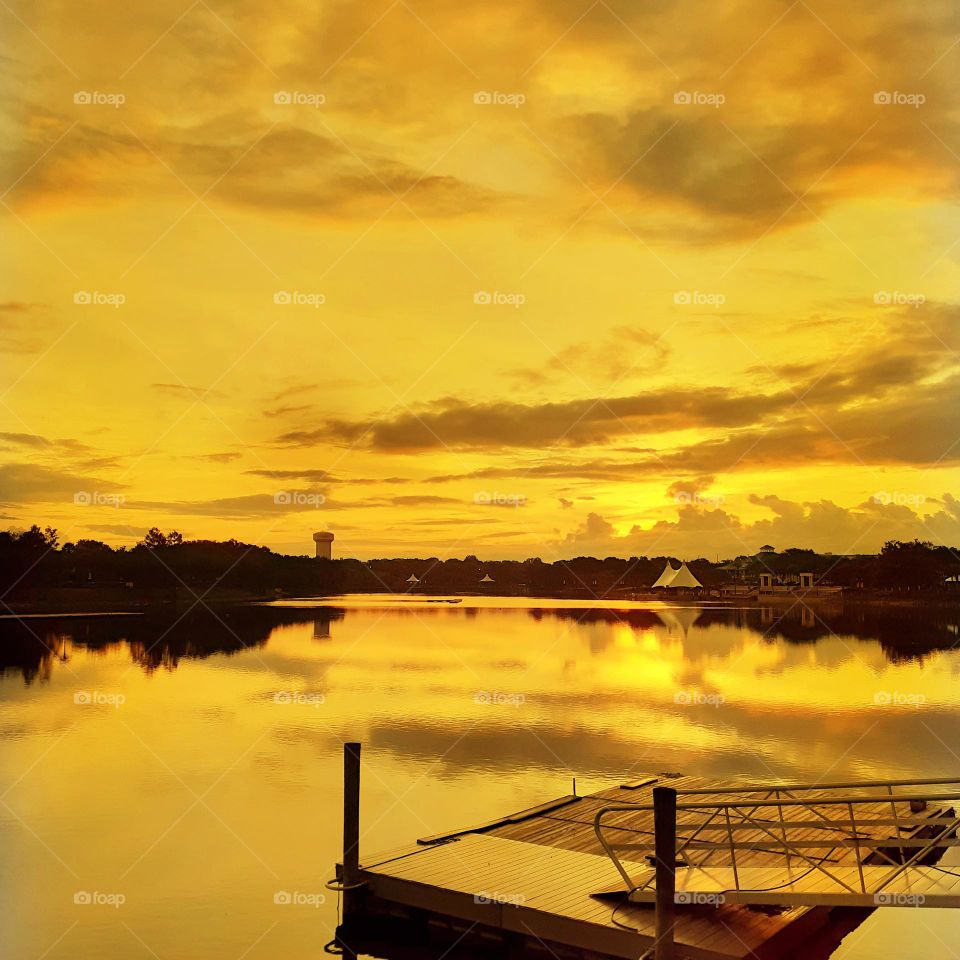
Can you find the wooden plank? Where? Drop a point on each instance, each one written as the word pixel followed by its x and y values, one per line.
pixel 527 814
pixel 636 784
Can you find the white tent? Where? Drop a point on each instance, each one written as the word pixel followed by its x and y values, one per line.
pixel 684 578
pixel 413 578
pixel 666 578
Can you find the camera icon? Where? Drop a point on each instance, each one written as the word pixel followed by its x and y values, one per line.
pixel 482 97
pixel 83 297
pixel 82 499
pixel 283 97
pixel 482 497
pixel 681 96
pixel 682 297
pixel 882 497
pixel 82 697
pixel 882 298
pixel 83 97
pixel 682 497
pixel 82 898
pixel 482 297
pixel 482 696
pixel 282 696
pixel 882 698
pixel 283 498
pixel 283 297
pixel 282 898
pixel 882 96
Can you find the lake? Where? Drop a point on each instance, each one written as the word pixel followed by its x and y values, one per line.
pixel 165 780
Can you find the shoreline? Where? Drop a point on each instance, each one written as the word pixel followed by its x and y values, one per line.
pixel 73 601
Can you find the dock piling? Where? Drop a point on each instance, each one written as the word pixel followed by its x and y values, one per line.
pixel 351 819
pixel 665 850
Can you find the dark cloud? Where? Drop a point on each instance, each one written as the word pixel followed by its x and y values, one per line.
pixel 224 457
pixel 321 476
pixel 35 483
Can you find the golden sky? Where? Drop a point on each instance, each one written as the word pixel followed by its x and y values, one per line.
pixel 513 279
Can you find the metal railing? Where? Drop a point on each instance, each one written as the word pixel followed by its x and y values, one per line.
pixel 824 827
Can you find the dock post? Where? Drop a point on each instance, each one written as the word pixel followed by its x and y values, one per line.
pixel 351 820
pixel 351 844
pixel 665 849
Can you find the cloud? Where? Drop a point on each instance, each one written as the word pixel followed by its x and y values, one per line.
pixel 461 424
pixel 35 483
pixel 310 475
pixel 622 352
pixel 182 390
pixel 819 525
pixel 224 457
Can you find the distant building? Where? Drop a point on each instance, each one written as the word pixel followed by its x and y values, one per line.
pixel 486 578
pixel 766 550
pixel 324 542
pixel 413 578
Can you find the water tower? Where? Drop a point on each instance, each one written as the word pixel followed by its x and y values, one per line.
pixel 324 542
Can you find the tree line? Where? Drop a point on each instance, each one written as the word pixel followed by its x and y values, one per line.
pixel 35 558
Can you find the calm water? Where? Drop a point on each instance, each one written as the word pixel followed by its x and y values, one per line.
pixel 193 769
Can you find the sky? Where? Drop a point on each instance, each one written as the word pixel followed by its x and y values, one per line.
pixel 507 279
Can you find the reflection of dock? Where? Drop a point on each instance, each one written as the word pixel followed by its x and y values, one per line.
pixel 662 866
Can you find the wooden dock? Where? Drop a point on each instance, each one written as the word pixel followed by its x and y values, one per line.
pixel 544 880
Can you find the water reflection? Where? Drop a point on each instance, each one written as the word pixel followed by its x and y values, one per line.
pixel 466 712
pixel 30 647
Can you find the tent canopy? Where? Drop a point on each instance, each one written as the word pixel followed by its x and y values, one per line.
pixel 684 578
pixel 679 577
pixel 665 578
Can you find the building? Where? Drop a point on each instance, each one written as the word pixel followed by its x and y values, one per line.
pixel 324 542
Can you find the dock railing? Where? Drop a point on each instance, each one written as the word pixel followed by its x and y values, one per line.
pixel 834 830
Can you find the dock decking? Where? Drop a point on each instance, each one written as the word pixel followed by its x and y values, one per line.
pixel 542 877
